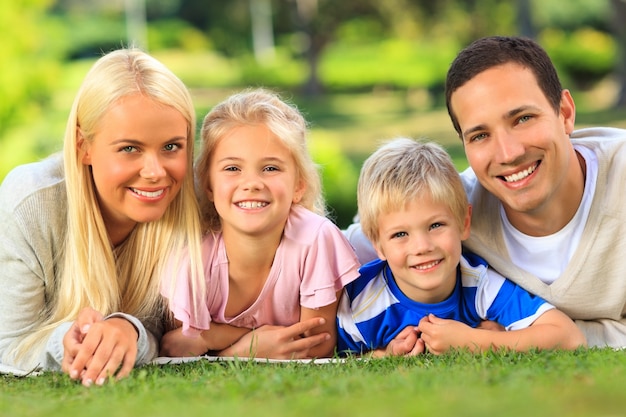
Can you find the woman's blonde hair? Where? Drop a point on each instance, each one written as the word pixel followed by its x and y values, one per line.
pixel 402 170
pixel 92 272
pixel 258 107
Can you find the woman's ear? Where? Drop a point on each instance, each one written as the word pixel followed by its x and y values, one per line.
pixel 82 148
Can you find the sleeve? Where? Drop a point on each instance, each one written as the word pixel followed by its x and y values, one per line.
pixel 349 338
pixel 330 264
pixel 186 300
pixel 23 282
pixel 604 332
pixel 507 303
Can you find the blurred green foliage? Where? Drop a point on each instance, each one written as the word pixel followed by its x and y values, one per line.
pixel 366 48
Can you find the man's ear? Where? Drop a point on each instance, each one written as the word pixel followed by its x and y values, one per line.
pixel 82 148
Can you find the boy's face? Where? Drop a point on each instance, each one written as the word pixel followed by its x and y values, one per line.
pixel 422 245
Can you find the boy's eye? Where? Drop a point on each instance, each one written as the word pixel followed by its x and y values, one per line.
pixel 524 119
pixel 399 235
pixel 477 137
pixel 436 225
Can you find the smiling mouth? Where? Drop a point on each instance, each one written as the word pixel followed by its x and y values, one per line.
pixel 428 265
pixel 149 194
pixel 518 176
pixel 252 204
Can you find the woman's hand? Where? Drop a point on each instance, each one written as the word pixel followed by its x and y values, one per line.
pixel 95 349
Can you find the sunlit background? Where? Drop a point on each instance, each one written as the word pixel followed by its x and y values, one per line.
pixel 360 70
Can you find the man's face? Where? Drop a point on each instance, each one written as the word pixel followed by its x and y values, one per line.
pixel 516 143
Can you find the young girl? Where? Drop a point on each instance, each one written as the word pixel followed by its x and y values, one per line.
pixel 274 264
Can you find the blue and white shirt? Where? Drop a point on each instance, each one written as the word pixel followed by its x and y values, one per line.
pixel 373 310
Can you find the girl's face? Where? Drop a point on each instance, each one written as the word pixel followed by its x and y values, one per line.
pixel 253 181
pixel 138 159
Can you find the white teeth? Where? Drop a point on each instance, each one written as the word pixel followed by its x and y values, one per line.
pixel 520 175
pixel 251 204
pixel 149 194
pixel 426 266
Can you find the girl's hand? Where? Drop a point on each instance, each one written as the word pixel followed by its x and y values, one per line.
pixel 278 342
pixel 95 349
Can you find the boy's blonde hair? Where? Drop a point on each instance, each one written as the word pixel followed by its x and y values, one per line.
pixel 400 171
pixel 258 107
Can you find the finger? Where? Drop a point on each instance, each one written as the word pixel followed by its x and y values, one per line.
pixel 86 318
pixel 99 364
pixel 418 349
pixel 302 327
pixel 118 362
pixel 303 345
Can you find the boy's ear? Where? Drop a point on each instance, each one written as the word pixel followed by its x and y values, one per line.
pixel 467 222
pixel 379 250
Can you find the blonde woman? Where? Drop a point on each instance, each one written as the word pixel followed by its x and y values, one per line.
pixel 84 234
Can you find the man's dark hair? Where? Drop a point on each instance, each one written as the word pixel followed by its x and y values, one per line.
pixel 489 52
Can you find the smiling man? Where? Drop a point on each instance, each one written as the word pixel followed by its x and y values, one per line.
pixel 549 208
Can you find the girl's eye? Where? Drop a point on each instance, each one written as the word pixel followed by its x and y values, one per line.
pixel 231 168
pixel 398 235
pixel 270 168
pixel 128 149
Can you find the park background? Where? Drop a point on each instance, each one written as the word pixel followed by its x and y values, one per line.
pixel 361 71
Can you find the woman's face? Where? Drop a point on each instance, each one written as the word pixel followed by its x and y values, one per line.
pixel 138 159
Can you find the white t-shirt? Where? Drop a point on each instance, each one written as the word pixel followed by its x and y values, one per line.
pixel 547 256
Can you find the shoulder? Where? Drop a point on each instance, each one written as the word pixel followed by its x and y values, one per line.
pixel 304 226
pixel 41 181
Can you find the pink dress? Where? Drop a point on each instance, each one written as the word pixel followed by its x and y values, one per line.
pixel 313 261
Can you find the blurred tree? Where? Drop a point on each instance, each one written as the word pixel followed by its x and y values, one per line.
pixel 619 24
pixel 28 68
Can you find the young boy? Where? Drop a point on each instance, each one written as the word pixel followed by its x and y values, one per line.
pixel 423 292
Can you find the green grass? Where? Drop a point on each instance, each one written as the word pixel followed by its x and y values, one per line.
pixel 582 383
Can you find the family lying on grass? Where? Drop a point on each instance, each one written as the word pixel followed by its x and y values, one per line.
pixel 111 258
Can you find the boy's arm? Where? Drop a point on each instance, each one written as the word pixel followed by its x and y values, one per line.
pixel 552 330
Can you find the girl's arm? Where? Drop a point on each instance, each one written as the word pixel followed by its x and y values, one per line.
pixel 220 336
pixel 329 314
pixel 552 330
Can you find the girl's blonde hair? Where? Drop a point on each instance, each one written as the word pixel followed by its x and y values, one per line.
pixel 93 273
pixel 258 107
pixel 402 170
